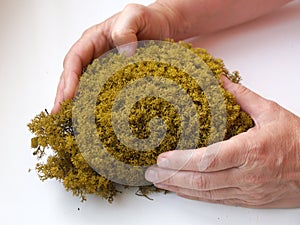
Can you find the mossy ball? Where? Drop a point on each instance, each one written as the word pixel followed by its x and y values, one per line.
pixel 131 108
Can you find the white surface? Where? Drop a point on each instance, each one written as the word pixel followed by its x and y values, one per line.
pixel 35 36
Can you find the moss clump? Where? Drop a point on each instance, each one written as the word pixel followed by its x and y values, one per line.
pixel 78 158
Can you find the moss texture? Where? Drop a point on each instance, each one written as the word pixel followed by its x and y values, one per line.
pixel 68 163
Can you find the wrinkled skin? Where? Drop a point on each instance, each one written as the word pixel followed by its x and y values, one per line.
pixel 259 168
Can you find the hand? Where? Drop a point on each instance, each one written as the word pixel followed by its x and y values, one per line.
pixel 135 22
pixel 163 19
pixel 259 168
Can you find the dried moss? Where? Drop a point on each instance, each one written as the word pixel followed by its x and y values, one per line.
pixel 78 161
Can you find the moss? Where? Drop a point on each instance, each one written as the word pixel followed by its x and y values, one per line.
pixel 78 158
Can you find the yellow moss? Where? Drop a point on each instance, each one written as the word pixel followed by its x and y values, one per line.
pixel 68 164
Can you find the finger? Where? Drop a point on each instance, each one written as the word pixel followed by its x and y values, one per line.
pixel 250 102
pixel 250 199
pixel 126 28
pixel 288 202
pixel 71 75
pixel 138 22
pixel 218 194
pixel 231 153
pixel 59 95
pixel 68 81
pixel 194 180
pixel 127 25
pixel 91 45
pixel 131 22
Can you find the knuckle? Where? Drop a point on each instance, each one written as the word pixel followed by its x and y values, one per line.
pixel 211 195
pixel 271 105
pixel 261 198
pixel 252 180
pixel 136 10
pixel 116 34
pixel 210 159
pixel 242 90
pixel 131 12
pixel 271 112
pixel 129 22
pixel 134 7
pixel 200 181
pixel 238 89
pixel 86 32
pixel 256 155
pixel 258 198
pixel 206 195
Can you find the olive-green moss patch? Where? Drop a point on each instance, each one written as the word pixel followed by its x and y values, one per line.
pixel 68 164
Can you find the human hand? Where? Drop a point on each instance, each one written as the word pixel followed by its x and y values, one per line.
pixel 135 22
pixel 163 19
pixel 259 168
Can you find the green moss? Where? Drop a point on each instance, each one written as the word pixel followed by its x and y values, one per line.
pixel 76 160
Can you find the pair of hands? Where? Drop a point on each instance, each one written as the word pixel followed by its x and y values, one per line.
pixel 258 168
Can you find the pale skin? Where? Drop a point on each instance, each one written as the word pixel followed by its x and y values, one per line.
pixel 258 168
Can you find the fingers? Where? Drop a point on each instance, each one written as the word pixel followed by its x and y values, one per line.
pixel 231 153
pixel 232 201
pixel 215 195
pixel 225 187
pixel 232 196
pixel 193 180
pixel 91 45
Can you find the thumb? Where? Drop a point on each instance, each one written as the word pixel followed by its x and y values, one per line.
pixel 250 102
pixel 138 22
pixel 129 23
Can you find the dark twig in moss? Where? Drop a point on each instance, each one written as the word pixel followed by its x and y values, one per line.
pixel 140 193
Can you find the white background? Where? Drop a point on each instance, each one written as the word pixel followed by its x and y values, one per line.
pixel 34 38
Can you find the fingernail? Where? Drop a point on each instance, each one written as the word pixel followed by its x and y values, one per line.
pixel 163 162
pixel 127 50
pixel 151 175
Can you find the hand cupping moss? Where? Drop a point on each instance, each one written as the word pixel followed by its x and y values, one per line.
pixel 77 168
